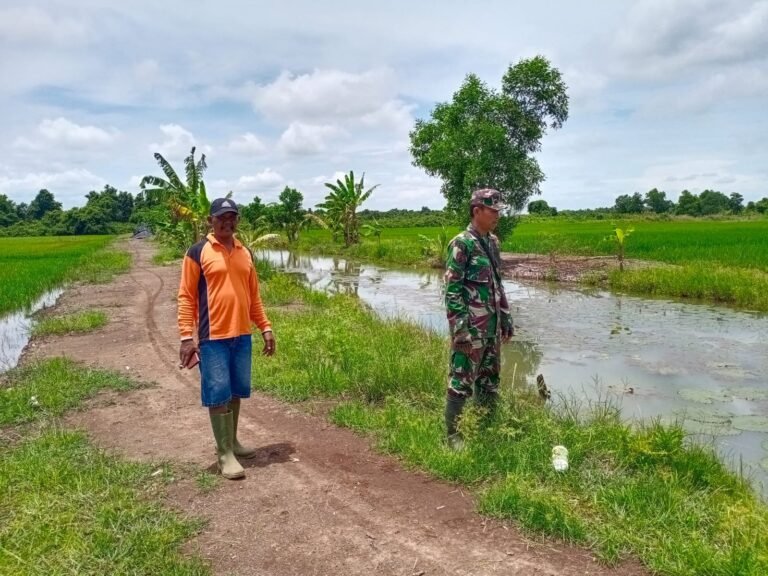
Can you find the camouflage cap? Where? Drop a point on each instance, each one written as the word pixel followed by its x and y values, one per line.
pixel 487 197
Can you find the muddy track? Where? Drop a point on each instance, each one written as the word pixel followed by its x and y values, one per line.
pixel 317 499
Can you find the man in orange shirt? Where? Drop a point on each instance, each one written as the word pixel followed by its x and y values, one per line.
pixel 219 299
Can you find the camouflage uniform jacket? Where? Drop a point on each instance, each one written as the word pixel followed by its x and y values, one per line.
pixel 474 296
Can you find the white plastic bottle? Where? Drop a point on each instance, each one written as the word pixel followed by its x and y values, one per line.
pixel 560 458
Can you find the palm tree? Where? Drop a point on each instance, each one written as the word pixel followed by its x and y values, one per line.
pixel 342 203
pixel 187 201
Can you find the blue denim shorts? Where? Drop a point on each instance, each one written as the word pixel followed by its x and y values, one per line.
pixel 225 370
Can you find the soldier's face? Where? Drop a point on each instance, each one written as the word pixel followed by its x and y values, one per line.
pixel 486 219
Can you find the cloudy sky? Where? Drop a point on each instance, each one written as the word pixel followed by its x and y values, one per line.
pixel 665 93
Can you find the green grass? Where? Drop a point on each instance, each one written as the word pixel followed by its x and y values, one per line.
pixel 743 287
pixel 722 260
pixel 29 267
pixel 67 507
pixel 78 322
pixel 166 254
pixel 633 490
pixel 51 387
pixel 726 242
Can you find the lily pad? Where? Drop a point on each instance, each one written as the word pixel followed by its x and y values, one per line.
pixel 705 415
pixel 747 393
pixel 752 423
pixel 702 396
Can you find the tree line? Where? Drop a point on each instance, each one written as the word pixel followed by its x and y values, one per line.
pixel 707 203
pixel 107 211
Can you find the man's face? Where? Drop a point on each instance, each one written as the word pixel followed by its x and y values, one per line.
pixel 486 218
pixel 224 226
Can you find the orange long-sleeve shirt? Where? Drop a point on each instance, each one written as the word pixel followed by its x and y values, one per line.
pixel 219 292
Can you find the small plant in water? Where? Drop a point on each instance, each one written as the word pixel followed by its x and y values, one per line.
pixel 620 236
pixel 436 248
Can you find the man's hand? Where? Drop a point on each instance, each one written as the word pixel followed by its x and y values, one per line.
pixel 269 343
pixel 507 334
pixel 186 352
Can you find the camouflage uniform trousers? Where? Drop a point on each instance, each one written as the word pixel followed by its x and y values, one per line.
pixel 478 371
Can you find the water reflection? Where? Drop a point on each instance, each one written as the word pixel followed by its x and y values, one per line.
pixel 648 355
pixel 15 329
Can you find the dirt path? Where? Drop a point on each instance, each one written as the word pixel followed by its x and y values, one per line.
pixel 317 500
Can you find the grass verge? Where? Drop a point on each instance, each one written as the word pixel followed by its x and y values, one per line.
pixel 78 322
pixel 733 286
pixel 51 387
pixel 67 507
pixel 641 490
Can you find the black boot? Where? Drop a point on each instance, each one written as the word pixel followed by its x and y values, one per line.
pixel 453 408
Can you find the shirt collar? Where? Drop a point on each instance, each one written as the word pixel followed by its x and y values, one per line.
pixel 213 240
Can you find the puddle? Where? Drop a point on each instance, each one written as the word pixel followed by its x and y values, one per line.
pixel 656 357
pixel 16 327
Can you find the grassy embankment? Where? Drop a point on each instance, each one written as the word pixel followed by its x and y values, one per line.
pixel 723 261
pixel 640 490
pixel 29 267
pixel 65 506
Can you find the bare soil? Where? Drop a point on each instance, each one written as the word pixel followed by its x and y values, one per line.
pixel 562 268
pixel 317 499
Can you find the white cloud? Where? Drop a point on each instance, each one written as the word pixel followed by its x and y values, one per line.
pixel 663 38
pixel 301 139
pixel 34 27
pixel 267 180
pixel 325 94
pixel 69 186
pixel 177 144
pixel 247 145
pixel 63 132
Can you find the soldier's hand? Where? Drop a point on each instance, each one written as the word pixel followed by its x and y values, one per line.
pixel 463 347
pixel 269 343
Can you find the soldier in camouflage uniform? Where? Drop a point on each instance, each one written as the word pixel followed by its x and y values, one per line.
pixel 478 312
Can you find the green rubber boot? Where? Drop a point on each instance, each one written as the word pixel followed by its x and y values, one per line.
pixel 454 405
pixel 223 432
pixel 237 448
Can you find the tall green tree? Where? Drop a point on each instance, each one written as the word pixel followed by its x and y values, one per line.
pixel 736 203
pixel 341 206
pixel 713 202
pixel 8 214
pixel 541 208
pixel 43 203
pixel 688 204
pixel 626 204
pixel 289 214
pixel 656 201
pixel 187 201
pixel 487 138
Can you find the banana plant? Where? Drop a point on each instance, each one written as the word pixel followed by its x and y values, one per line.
pixel 186 201
pixel 619 237
pixel 341 205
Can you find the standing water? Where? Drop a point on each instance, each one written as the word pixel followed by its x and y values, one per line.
pixel 704 365
pixel 16 329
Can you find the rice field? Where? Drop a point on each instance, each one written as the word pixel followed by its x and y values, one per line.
pixel 29 267
pixel 731 243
